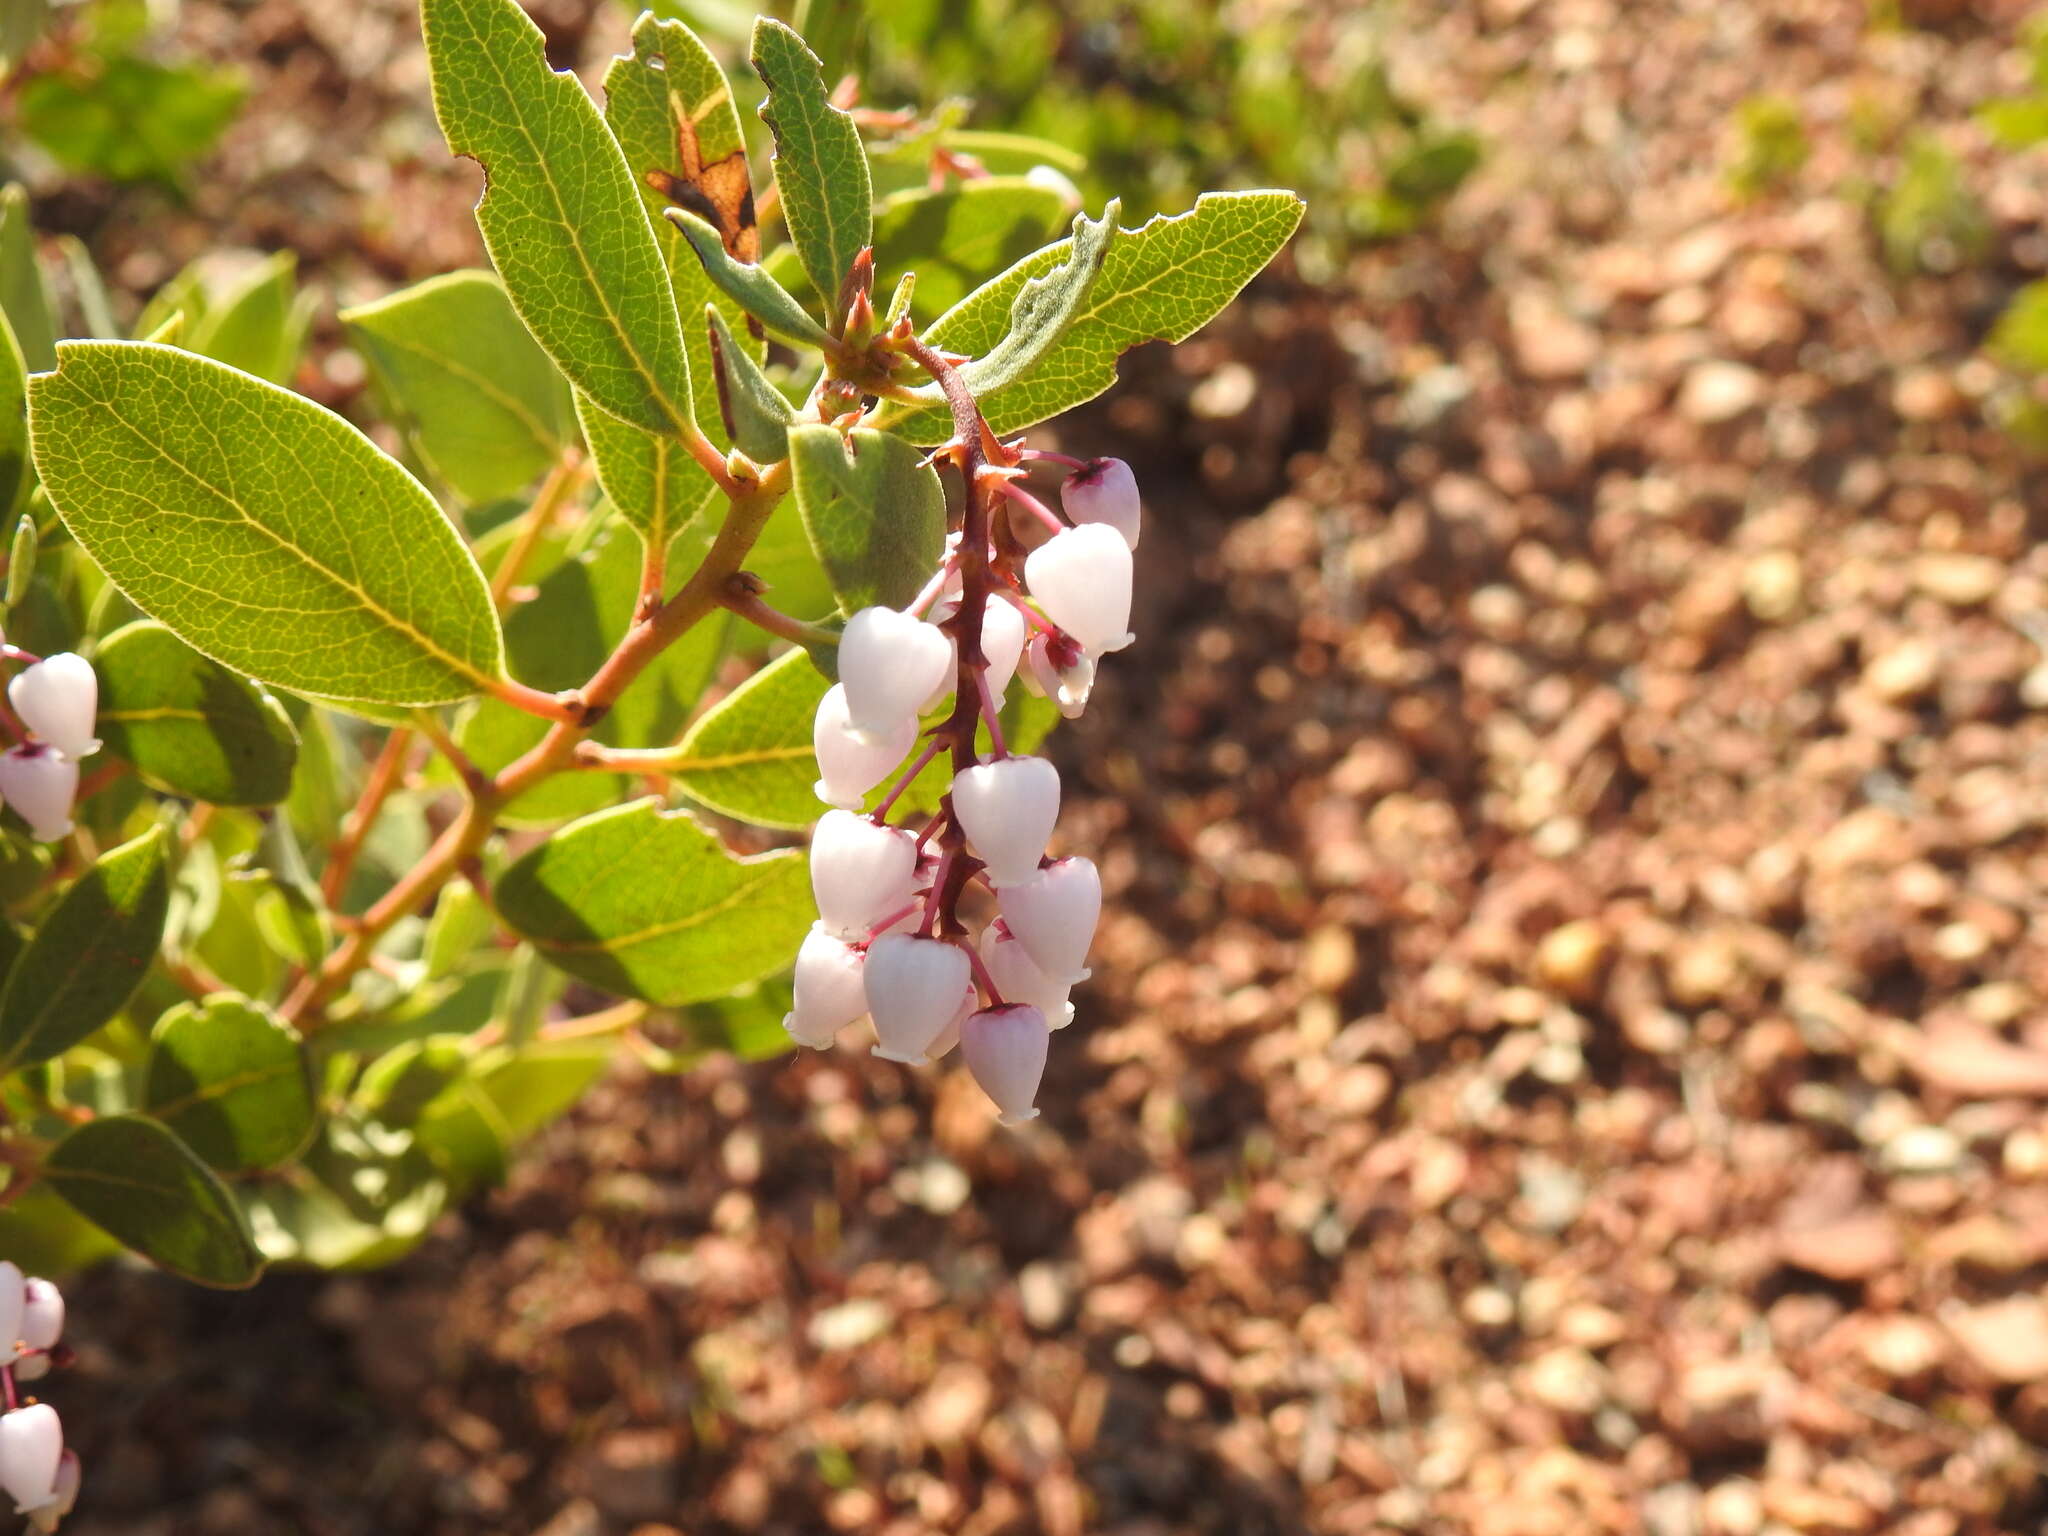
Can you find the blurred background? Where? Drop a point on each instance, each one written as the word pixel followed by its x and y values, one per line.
pixel 1568 1049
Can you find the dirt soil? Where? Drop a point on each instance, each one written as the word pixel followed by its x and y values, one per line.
pixel 1568 1049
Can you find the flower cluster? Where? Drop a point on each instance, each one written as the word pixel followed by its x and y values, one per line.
pixel 890 943
pixel 56 699
pixel 35 1469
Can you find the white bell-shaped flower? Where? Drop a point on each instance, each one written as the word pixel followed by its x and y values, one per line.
pixel 849 766
pixel 40 783
pixel 13 1306
pixel 42 1315
pixel 31 1446
pixel 47 1516
pixel 1105 492
pixel 913 989
pixel 861 872
pixel 1005 1050
pixel 1054 916
pixel 889 663
pixel 829 991
pixel 1007 809
pixel 57 699
pixel 950 1035
pixel 1002 643
pixel 1022 979
pixel 1067 686
pixel 1082 579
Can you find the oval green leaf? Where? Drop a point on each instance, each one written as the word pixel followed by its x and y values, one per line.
pixel 231 1079
pixel 821 169
pixel 266 531
pixel 189 725
pixel 874 510
pixel 134 1179
pixel 646 903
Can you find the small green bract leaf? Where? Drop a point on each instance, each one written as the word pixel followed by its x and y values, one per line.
pixel 189 725
pixel 266 531
pixel 646 903
pixel 758 414
pixel 486 409
pixel 135 1179
pixel 874 510
pixel 747 285
pixel 560 213
pixel 89 955
pixel 231 1079
pixel 820 167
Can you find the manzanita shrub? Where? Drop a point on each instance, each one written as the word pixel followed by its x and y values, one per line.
pixel 360 809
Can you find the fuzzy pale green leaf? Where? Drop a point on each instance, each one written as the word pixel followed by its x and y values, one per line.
pixel 748 285
pixel 874 510
pixel 189 725
pixel 140 1183
pixel 232 1080
pixel 646 903
pixel 266 531
pixel 821 170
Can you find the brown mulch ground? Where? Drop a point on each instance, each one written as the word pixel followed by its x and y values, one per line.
pixel 1570 1030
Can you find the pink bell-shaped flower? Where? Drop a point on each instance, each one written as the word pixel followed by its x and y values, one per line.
pixel 57 699
pixel 1005 1050
pixel 1082 579
pixel 861 872
pixel 40 783
pixel 950 1035
pixel 850 767
pixel 1007 809
pixel 13 1306
pixel 1054 916
pixel 1021 979
pixel 47 1516
pixel 42 1315
pixel 31 1446
pixel 913 990
pixel 1067 686
pixel 889 663
pixel 1105 492
pixel 829 993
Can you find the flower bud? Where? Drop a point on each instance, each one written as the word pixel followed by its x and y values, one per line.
pixel 13 1305
pixel 42 1315
pixel 1082 579
pixel 40 783
pixel 1054 916
pixel 889 663
pixel 31 1446
pixel 1005 1050
pixel 1007 809
pixel 913 989
pixel 1067 686
pixel 861 872
pixel 57 698
pixel 829 993
pixel 47 1516
pixel 950 1035
pixel 1021 979
pixel 1105 492
pixel 851 767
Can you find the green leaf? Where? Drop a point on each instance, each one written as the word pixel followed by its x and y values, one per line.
pixel 89 955
pixel 231 1079
pixel 361 1196
pixel 957 236
pixel 132 1177
pixel 2016 122
pixel 505 1097
pixel 266 531
pixel 750 755
pixel 753 408
pixel 24 295
pixel 670 108
pixel 14 463
pixel 189 725
pixel 874 510
pixel 258 325
pixel 1163 281
pixel 646 903
pixel 821 170
pixel 485 409
pixel 2020 338
pixel 653 481
pixel 88 288
pixel 747 285
pixel 560 214
pixel 127 118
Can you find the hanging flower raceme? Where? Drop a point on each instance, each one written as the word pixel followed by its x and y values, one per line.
pixel 893 941
pixel 36 1472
